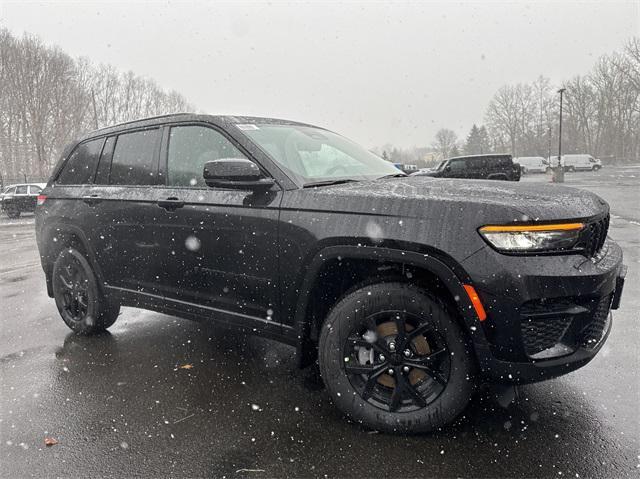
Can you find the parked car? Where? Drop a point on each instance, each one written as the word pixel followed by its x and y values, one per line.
pixel 532 164
pixel 580 162
pixel 407 291
pixel 489 167
pixel 21 198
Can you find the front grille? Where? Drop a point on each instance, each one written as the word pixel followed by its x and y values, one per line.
pixel 594 236
pixel 594 330
pixel 539 334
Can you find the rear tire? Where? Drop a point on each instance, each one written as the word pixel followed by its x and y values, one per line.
pixel 79 298
pixel 13 213
pixel 383 375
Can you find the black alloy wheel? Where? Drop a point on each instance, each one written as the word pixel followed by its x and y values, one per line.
pixel 73 289
pixel 396 361
pixel 78 296
pixel 394 358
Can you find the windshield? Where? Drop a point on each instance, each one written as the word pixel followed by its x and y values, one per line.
pixel 441 165
pixel 313 155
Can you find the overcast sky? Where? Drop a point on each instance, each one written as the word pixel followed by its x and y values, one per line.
pixel 375 72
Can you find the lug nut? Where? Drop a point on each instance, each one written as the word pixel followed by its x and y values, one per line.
pixel 392 346
pixel 382 358
pixel 407 353
pixel 406 369
pixel 390 372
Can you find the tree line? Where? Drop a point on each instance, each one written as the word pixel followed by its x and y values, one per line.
pixel 48 98
pixel 601 117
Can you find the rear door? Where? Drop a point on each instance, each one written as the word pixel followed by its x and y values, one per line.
pixel 219 247
pixel 124 206
pixel 20 199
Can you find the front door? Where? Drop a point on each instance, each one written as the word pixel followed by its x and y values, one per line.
pixel 218 246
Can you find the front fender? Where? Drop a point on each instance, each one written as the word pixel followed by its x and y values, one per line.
pixel 452 276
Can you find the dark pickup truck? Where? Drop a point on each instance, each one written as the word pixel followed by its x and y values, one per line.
pixel 407 291
pixel 480 167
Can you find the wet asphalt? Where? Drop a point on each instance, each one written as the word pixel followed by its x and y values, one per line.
pixel 159 396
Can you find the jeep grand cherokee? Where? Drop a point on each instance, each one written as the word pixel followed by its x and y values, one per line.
pixel 408 291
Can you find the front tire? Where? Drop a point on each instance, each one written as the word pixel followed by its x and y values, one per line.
pixel 79 298
pixel 394 359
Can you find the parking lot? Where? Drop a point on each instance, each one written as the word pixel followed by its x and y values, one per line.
pixel 161 396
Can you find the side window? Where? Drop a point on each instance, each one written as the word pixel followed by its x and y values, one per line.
pixel 10 191
pixel 457 165
pixel 81 165
pixel 34 190
pixel 134 160
pixel 104 166
pixel 21 190
pixel 190 147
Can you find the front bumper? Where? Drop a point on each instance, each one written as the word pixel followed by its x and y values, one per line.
pixel 547 315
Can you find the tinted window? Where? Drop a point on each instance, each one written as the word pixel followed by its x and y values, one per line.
pixel 190 147
pixel 457 165
pixel 81 165
pixel 134 161
pixel 104 166
pixel 21 190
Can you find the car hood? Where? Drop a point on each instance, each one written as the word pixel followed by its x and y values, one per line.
pixel 478 200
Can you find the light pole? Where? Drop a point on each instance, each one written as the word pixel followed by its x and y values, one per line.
pixel 558 174
pixel 549 151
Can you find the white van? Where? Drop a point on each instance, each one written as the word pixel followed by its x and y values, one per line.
pixel 580 162
pixel 531 164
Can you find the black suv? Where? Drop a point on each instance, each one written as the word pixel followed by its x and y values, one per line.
pixel 408 291
pixel 480 167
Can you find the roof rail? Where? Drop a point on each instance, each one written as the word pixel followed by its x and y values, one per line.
pixel 140 119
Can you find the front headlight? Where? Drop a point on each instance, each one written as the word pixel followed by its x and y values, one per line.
pixel 532 238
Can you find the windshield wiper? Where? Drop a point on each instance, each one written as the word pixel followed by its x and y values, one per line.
pixel 394 175
pixel 328 182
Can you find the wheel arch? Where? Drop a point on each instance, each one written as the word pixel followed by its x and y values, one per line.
pixel 433 268
pixel 55 238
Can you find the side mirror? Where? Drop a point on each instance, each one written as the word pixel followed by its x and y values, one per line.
pixel 447 168
pixel 235 173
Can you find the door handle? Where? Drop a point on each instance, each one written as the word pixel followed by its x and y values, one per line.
pixel 171 203
pixel 91 200
pixel 144 245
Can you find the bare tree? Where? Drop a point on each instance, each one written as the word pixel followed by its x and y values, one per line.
pixel 47 98
pixel 445 141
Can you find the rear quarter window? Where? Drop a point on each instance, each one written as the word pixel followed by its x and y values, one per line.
pixel 135 161
pixel 81 165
